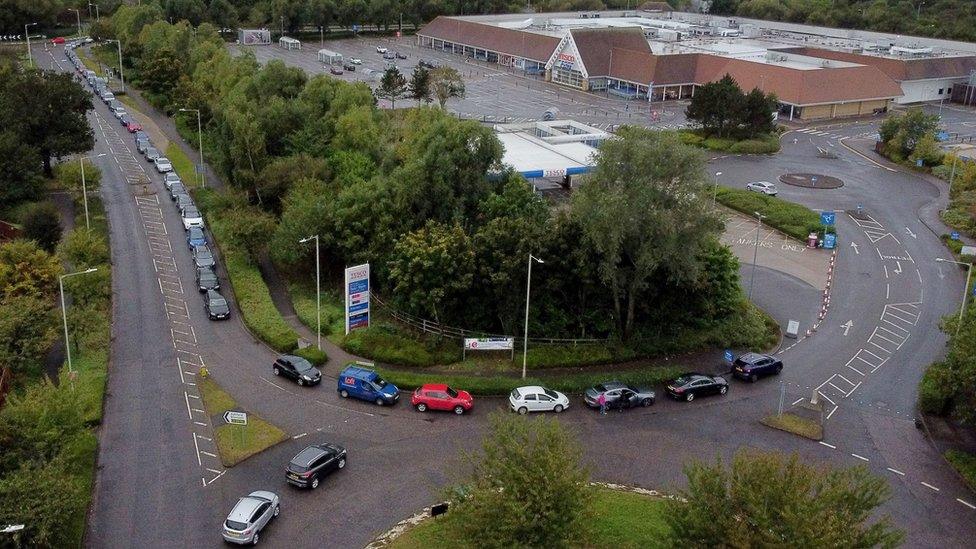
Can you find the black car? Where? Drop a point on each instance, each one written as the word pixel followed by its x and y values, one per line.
pixel 691 385
pixel 427 64
pixel 401 55
pixel 216 306
pixel 297 369
pixel 335 70
pixel 202 256
pixel 349 67
pixel 313 463
pixel 176 189
pixel 618 396
pixel 207 279
pixel 752 366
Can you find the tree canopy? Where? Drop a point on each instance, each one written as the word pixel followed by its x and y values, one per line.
pixel 724 110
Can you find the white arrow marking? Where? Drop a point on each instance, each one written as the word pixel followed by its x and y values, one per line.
pixel 910 233
pixel 941 274
pixel 898 269
pixel 853 245
pixel 847 326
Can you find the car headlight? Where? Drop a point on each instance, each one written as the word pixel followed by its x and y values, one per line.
pixel 306 378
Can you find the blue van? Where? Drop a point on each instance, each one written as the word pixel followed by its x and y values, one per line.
pixel 363 383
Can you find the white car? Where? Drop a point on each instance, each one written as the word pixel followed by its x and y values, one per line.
pixel 534 398
pixel 251 514
pixel 764 187
pixel 163 165
pixel 191 217
pixel 119 112
pixel 381 49
pixel 355 61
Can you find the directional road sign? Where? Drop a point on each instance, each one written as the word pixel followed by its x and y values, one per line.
pixel 954 235
pixel 830 240
pixel 235 418
pixel 827 218
pixel 729 357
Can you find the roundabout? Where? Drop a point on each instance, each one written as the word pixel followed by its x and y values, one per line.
pixel 811 180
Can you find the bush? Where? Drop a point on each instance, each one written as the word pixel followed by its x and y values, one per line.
pixel 313 355
pixel 42 224
pixel 82 248
pixel 766 145
pixel 965 464
pixel 933 398
pixel 68 175
pixel 791 218
pixel 385 342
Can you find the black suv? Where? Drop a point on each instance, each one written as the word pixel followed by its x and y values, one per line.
pixel 298 369
pixel 207 279
pixel 313 463
pixel 751 366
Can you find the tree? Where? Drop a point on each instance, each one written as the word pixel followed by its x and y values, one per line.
pixel 527 490
pixel 20 170
pixel 901 134
pixel 68 175
pixel 446 83
pixel 757 112
pixel 42 224
pixel 770 500
pixel 26 269
pixel 431 270
pixel 718 106
pixel 643 211
pixel 27 328
pixel 47 111
pixel 248 228
pixel 83 248
pixel 41 495
pixel 419 87
pixel 392 86
pixel 927 150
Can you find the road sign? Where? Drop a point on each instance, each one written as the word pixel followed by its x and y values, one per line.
pixel 830 240
pixel 792 328
pixel 968 250
pixel 827 217
pixel 729 357
pixel 954 235
pixel 235 418
pixel 357 297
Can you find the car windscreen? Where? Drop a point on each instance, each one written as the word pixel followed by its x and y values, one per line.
pixel 452 393
pixel 234 525
pixel 515 394
pixel 601 388
pixel 379 382
pixel 202 252
pixel 196 235
pixel 191 212
pixel 683 380
pixel 302 365
pixel 218 304
pixel 550 393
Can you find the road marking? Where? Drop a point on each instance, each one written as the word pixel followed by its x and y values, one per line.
pixel 211 455
pixel 191 396
pixel 825 396
pixel 832 411
pixel 966 503
pixel 860 457
pixel 199 411
pixel 296 437
pixel 200 424
pixel 896 471
pixel 927 485
pixel 855 369
pixel 831 446
pixel 187 398
pixel 797 401
pixel 213 470
pixel 197 446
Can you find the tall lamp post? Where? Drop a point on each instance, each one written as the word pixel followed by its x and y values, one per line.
pixel 318 290
pixel 84 188
pixel 121 73
pixel 78 15
pixel 715 190
pixel 64 313
pixel 755 254
pixel 965 289
pixel 525 336
pixel 30 58
pixel 203 177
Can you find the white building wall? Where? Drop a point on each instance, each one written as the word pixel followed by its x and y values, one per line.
pixel 927 90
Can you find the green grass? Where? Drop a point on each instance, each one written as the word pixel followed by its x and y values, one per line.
pixel 932 395
pixel 235 443
pixel 312 354
pixel 182 165
pixel 965 464
pixel 793 219
pixel 621 519
pixel 386 342
pixel 795 424
pixel 765 144
pixel 303 299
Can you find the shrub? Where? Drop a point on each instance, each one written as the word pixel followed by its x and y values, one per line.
pixel 84 248
pixel 765 145
pixel 965 464
pixel 791 218
pixel 313 355
pixel 42 224
pixel 384 342
pixel 933 398
pixel 68 175
pixel 254 300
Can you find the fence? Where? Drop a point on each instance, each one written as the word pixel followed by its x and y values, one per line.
pixel 431 327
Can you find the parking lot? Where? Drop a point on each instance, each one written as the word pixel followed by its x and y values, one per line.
pixel 493 93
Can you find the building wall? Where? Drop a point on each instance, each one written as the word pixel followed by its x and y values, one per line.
pixel 927 90
pixel 841 110
pixel 816 112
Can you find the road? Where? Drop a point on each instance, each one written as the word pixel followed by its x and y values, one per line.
pixel 152 464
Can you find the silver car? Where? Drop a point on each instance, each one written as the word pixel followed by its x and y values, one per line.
pixel 251 514
pixel 764 187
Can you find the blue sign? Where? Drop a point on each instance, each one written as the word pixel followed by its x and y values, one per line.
pixel 954 235
pixel 830 240
pixel 358 286
pixel 358 307
pixel 355 28
pixel 729 357
pixel 827 218
pixel 974 290
pixel 919 163
pixel 942 136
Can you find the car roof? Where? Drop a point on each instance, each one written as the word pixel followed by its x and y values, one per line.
pixel 246 505
pixel 356 371
pixel 434 387
pixel 612 385
pixel 310 454
pixel 214 294
pixel 530 389
pixel 751 357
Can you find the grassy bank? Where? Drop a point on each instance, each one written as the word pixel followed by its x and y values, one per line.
pixel 621 519
pixel 235 443
pixel 765 144
pixel 965 464
pixel 182 165
pixel 795 424
pixel 788 217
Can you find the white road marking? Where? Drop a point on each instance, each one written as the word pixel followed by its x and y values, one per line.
pixel 860 457
pixel 927 485
pixel 296 437
pixel 197 446
pixel 797 401
pixel 187 398
pixel 200 423
pixel 966 503
pixel 832 411
pixel 831 446
pixel 896 471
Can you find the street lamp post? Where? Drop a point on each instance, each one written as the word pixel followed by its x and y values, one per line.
pixel 84 188
pixel 755 254
pixel 952 175
pixel 203 177
pixel 715 191
pixel 525 335
pixel 121 73
pixel 30 58
pixel 64 313
pixel 318 290
pixel 78 15
pixel 965 289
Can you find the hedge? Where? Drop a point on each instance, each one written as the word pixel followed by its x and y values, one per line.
pixel 788 217
pixel 313 355
pixel 965 464
pixel 384 342
pixel 932 395
pixel 765 144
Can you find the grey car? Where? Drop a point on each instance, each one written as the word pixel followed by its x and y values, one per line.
pixel 619 395
pixel 182 201
pixel 152 154
pixel 249 517
pixel 203 257
pixel 143 145
pixel 171 178
pixel 207 279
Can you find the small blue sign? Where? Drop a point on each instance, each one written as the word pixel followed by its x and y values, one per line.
pixel 355 28
pixel 918 163
pixel 358 286
pixel 974 290
pixel 830 241
pixel 942 136
pixel 358 307
pixel 954 235
pixel 827 218
pixel 729 357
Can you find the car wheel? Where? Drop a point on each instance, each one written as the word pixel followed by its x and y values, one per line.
pixel 690 397
pixel 647 402
pixel 459 409
pixel 421 407
pixel 344 393
pixel 315 483
pixel 342 463
pixel 277 510
pixel 276 371
pixel 723 390
pixel 379 401
pixel 558 409
pixel 301 382
pixel 254 540
pixel 523 410
pixel 753 378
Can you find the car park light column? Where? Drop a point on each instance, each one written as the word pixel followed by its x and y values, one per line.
pixel 64 313
pixel 30 58
pixel 965 289
pixel 203 178
pixel 318 291
pixel 121 74
pixel 715 190
pixel 755 254
pixel 78 15
pixel 525 336
pixel 84 189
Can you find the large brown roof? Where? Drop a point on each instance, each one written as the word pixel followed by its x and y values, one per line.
pixel 529 45
pixel 900 69
pixel 623 51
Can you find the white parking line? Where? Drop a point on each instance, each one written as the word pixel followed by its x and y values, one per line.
pixel 966 503
pixel 860 457
pixel 187 398
pixel 927 485
pixel 831 446
pixel 896 471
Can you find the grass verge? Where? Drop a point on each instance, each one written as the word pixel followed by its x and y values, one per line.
pixel 965 464
pixel 795 424
pixel 764 144
pixel 788 217
pixel 621 519
pixel 303 299
pixel 182 165
pixel 235 443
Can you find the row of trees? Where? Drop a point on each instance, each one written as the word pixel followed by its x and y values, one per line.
pixel 424 86
pixel 724 110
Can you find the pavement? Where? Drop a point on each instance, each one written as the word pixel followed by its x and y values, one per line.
pixel 863 361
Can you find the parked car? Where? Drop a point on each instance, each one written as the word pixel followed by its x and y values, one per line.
pixel 389 55
pixel 336 70
pixel 195 238
pixel 691 385
pixel 191 217
pixel 249 517
pixel 296 368
pixel 355 61
pixel 202 256
pixel 401 55
pixel 170 179
pixel 381 49
pixel 177 189
pixel 125 120
pixel 752 366
pixel 163 165
pixel 427 64
pixel 107 96
pixel 183 200
pixel 438 396
pixel 207 279
pixel 618 395
pixel 133 127
pixel 216 306
pixel 349 67
pixel 58 40
pixel 313 463
pixel 764 187
pixel 534 398
pixel 143 145
pixel 365 384
pixel 119 111
pixel 140 135
pixel 151 154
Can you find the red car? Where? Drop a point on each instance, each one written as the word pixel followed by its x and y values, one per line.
pixel 438 396
pixel 134 127
pixel 58 40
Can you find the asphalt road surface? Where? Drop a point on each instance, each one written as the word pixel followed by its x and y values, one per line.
pixel 159 484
